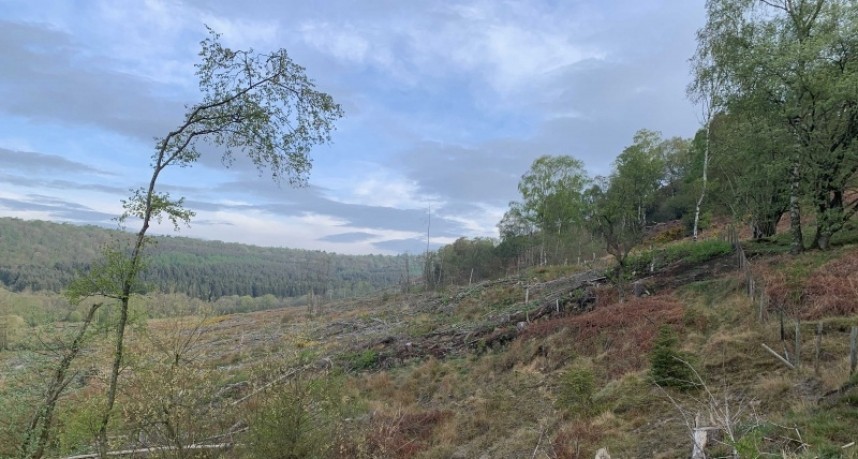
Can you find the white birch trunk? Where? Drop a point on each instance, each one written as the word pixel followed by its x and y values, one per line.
pixel 705 175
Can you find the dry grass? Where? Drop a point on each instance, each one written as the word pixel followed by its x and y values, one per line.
pixel 501 402
pixel 576 439
pixel 832 290
pixel 621 333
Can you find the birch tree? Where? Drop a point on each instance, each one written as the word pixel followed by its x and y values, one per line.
pixel 260 106
pixel 796 58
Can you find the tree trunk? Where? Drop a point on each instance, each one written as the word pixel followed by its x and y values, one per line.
pixel 114 377
pixel 703 190
pixel 37 436
pixel 766 227
pixel 829 217
pixel 795 210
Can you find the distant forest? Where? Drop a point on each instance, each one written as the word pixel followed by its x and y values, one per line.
pixel 44 256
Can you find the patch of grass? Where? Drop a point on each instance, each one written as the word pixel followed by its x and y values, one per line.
pixel 360 361
pixel 778 244
pixel 848 235
pixel 828 430
pixel 421 325
pixel 689 252
pixel 709 292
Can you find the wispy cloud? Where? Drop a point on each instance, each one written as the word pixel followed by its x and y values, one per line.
pixel 447 105
pixel 33 162
pixel 509 46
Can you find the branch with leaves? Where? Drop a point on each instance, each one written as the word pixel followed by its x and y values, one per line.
pixel 255 105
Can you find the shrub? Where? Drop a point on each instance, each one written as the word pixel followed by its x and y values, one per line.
pixel 669 367
pixel 577 386
pixel 298 421
pixel 359 361
pixel 74 316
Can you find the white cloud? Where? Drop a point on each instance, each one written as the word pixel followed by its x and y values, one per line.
pixel 510 51
pixel 509 46
pixel 343 43
pixel 446 102
pixel 479 222
pixel 243 33
pixel 374 185
pixel 305 231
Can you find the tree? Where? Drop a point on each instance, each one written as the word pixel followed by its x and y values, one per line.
pixel 552 192
pixel 703 92
pixel 756 195
pixel 797 59
pixel 613 217
pixel 259 106
pixel 668 366
pixel 640 171
pixel 617 207
pixel 552 202
pixel 680 184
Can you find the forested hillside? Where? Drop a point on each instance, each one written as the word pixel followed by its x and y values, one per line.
pixel 40 256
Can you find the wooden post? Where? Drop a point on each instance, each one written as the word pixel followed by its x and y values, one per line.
pixel 700 436
pixel 797 348
pixel 526 295
pixel 557 305
pixel 853 350
pixel 783 332
pixel 4 334
pixel 817 348
pixel 471 279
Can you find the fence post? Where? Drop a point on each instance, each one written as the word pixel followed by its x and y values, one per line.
pixel 797 348
pixel 783 332
pixel 818 348
pixel 4 334
pixel 853 350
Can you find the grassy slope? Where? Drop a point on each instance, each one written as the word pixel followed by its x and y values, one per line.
pixel 448 374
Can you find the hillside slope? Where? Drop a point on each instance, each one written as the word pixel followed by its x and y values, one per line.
pixel 39 255
pixel 546 365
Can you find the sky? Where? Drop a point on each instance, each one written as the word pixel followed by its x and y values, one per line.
pixel 447 103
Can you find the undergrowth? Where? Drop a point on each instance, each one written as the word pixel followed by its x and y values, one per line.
pixel 685 252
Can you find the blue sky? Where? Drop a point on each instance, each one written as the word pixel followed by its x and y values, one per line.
pixel 446 105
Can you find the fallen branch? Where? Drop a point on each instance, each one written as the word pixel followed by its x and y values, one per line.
pixel 151 450
pixel 785 361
